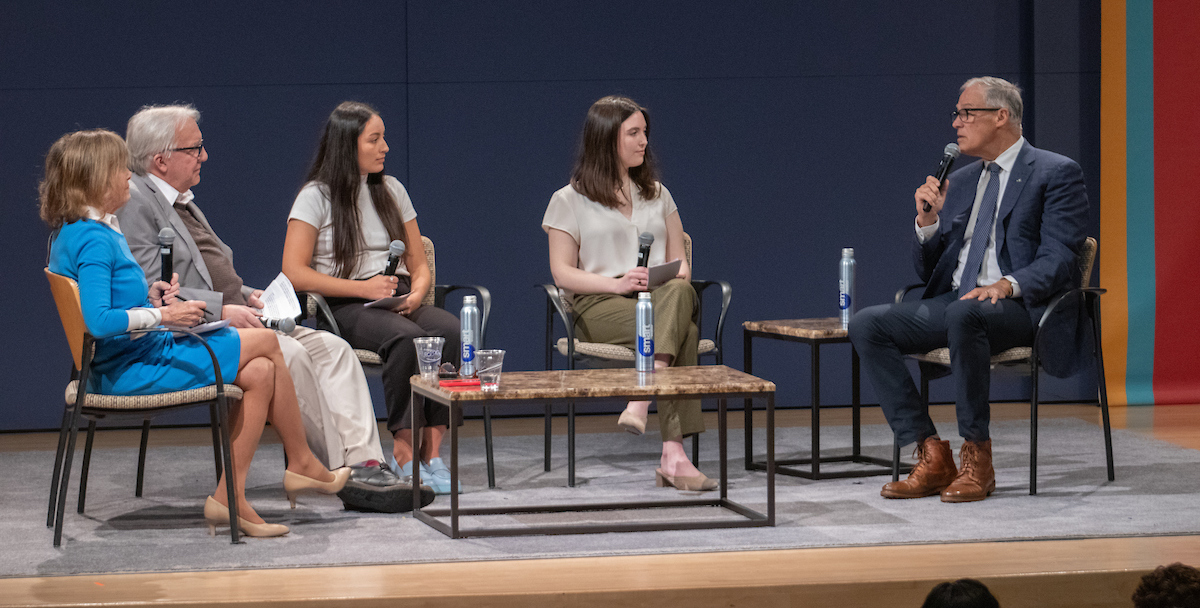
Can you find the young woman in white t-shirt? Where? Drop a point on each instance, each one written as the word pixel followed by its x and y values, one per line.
pixel 593 226
pixel 337 242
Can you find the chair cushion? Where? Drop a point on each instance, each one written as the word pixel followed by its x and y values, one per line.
pixel 149 402
pixel 612 351
pixel 941 356
pixel 368 357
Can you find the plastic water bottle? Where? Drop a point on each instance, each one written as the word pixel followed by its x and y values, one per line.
pixel 645 333
pixel 846 286
pixel 469 333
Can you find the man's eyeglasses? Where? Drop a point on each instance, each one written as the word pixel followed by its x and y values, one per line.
pixel 965 113
pixel 193 150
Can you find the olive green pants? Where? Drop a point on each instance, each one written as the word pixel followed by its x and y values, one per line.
pixel 610 319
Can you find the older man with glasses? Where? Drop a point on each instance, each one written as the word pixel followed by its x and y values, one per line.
pixel 166 152
pixel 994 243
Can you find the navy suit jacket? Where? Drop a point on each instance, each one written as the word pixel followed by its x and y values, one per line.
pixel 1039 233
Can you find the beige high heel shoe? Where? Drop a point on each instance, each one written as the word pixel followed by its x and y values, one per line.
pixel 295 483
pixel 695 483
pixel 217 514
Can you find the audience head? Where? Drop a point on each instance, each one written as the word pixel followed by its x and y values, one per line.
pixel 166 141
pixel 615 130
pixel 352 146
pixel 962 593
pixel 83 169
pixel 1174 586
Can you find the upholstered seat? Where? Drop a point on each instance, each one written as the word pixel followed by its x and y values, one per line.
pixel 598 354
pixel 1029 355
pixel 316 308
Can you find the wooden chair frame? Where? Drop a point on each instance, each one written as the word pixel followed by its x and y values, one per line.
pixel 89 405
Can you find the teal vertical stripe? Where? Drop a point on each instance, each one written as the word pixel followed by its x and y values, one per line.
pixel 1139 206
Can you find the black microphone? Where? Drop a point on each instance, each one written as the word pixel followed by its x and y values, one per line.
pixel 645 240
pixel 284 325
pixel 166 237
pixel 948 155
pixel 395 251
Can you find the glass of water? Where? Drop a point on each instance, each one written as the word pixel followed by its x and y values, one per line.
pixel 429 354
pixel 490 362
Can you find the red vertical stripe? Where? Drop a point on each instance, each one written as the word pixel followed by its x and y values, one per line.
pixel 1177 202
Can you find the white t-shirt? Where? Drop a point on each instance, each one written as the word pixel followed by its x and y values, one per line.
pixel 608 241
pixel 313 208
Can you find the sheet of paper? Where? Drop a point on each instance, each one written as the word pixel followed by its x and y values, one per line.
pixel 279 299
pixel 662 273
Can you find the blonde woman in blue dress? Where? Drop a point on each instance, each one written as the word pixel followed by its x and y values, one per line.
pixel 86 181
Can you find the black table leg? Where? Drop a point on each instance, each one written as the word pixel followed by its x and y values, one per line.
pixel 748 367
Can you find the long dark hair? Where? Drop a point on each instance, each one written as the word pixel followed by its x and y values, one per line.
pixel 598 173
pixel 336 167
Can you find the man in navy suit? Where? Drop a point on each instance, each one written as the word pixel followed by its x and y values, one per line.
pixel 994 243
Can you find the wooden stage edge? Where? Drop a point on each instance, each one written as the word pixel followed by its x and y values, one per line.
pixel 1092 572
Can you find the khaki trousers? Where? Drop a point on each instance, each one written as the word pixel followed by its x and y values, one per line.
pixel 610 319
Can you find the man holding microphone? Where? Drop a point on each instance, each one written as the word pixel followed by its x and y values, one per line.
pixel 994 243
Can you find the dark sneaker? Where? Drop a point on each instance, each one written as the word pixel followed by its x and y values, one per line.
pixel 376 488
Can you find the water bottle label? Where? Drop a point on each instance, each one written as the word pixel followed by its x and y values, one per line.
pixel 844 301
pixel 645 346
pixel 468 352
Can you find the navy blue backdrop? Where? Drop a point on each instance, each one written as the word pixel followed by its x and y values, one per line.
pixel 786 131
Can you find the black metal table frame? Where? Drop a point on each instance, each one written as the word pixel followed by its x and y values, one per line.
pixel 453 529
pixel 789 466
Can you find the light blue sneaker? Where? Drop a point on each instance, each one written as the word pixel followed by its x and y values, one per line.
pixel 405 472
pixel 439 476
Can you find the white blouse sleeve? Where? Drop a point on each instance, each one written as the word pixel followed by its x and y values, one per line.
pixel 560 215
pixel 141 318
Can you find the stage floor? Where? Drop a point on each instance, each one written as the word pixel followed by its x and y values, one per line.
pixel 1094 572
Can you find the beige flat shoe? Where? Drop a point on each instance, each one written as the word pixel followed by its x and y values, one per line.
pixel 695 483
pixel 632 423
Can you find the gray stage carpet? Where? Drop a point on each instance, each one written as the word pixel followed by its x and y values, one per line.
pixel 1156 492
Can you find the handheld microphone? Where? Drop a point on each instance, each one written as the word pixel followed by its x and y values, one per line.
pixel 395 251
pixel 166 237
pixel 948 155
pixel 644 241
pixel 284 325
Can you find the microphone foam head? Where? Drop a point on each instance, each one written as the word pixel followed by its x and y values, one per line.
pixel 952 150
pixel 287 325
pixel 166 236
pixel 396 248
pixel 645 239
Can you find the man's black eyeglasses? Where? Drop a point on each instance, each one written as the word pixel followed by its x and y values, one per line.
pixel 965 113
pixel 190 149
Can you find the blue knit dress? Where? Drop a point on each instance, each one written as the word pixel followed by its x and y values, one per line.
pixel 110 283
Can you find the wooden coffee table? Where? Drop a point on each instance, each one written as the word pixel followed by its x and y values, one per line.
pixel 577 386
pixel 813 332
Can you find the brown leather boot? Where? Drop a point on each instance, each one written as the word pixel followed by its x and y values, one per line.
pixel 976 479
pixel 933 472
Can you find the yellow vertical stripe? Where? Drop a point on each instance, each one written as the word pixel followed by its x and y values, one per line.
pixel 1113 254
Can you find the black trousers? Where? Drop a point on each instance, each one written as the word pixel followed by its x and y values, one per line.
pixel 973 331
pixel 391 336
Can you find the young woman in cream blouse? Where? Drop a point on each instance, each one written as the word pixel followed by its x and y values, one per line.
pixel 593 226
